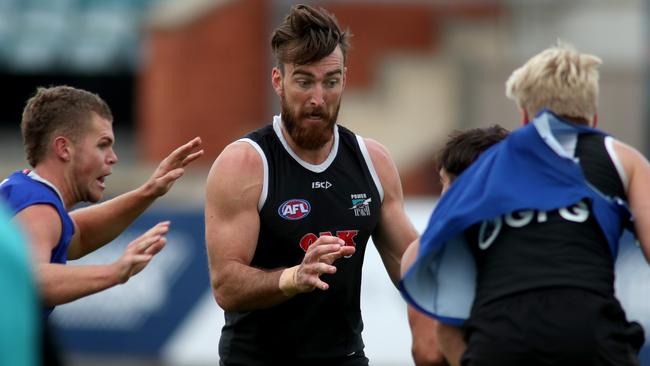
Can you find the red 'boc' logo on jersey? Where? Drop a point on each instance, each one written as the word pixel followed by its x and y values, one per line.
pixel 294 209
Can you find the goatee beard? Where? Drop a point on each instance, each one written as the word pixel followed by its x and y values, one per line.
pixel 311 137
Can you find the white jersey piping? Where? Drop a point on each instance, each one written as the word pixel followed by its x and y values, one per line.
pixel 371 167
pixel 32 174
pixel 265 164
pixel 609 145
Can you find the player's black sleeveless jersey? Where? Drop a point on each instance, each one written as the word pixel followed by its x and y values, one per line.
pixel 563 248
pixel 299 202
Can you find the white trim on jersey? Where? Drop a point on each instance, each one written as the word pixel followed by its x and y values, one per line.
pixel 563 142
pixel 265 164
pixel 277 121
pixel 569 143
pixel 32 174
pixel 609 146
pixel 371 167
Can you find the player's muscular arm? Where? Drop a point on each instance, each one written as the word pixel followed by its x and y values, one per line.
pixel 395 231
pixel 637 169
pixel 232 226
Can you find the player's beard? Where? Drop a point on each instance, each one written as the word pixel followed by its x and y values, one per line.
pixel 310 137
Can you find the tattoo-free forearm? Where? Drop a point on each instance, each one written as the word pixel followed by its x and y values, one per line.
pixel 100 224
pixel 239 287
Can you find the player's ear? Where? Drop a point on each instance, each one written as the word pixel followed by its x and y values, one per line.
pixel 524 116
pixel 63 148
pixel 276 81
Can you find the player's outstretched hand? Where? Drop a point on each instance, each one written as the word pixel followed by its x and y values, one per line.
pixel 140 251
pixel 318 260
pixel 173 167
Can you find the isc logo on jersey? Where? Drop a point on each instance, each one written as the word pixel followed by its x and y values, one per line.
pixel 294 209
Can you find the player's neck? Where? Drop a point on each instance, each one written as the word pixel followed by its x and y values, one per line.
pixel 57 177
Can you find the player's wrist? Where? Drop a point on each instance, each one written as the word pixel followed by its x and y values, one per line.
pixel 287 282
pixel 148 191
pixel 117 273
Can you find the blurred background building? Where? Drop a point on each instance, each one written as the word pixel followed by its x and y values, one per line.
pixel 175 69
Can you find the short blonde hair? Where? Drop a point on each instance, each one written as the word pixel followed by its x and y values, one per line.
pixel 560 79
pixel 61 108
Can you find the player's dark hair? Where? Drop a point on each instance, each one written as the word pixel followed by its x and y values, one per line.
pixel 464 147
pixel 307 35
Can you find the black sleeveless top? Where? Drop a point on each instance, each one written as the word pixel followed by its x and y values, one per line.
pixel 528 250
pixel 299 202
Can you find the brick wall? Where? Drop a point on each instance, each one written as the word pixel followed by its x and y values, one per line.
pixel 205 78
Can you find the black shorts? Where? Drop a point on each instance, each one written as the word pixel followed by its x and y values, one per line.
pixel 357 359
pixel 557 326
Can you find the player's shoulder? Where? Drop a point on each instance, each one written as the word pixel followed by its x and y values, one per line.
pixel 377 151
pixel 248 150
pixel 627 153
pixel 239 162
pixel 240 154
pixel 630 158
pixel 43 215
pixel 384 166
pixel 17 177
pixel 19 190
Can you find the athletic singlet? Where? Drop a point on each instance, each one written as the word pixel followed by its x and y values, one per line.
pixel 299 202
pixel 23 189
pixel 560 248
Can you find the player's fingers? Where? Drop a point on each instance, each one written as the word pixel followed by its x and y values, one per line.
pixel 145 242
pixel 329 258
pixel 309 280
pixel 190 158
pixel 347 251
pixel 327 239
pixel 149 237
pixel 171 176
pixel 344 251
pixel 182 151
pixel 319 268
pixel 324 245
pixel 156 247
pixel 140 258
pixel 324 268
pixel 158 229
pixel 319 284
pixel 314 253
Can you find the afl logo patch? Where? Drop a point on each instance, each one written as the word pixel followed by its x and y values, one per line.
pixel 294 209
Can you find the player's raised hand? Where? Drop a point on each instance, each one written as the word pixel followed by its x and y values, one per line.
pixel 140 251
pixel 173 166
pixel 318 260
